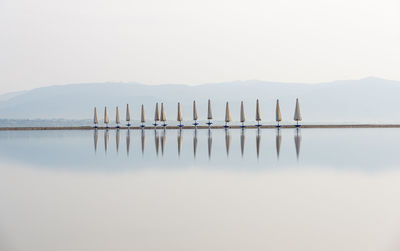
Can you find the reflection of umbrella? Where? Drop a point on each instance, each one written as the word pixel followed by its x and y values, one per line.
pixel 156 141
pixel 95 118
pixel 297 113
pixel 179 139
pixel 143 138
pixel 209 143
pixel 258 142
pixel 117 139
pixel 258 113
pixel 163 139
pixel 209 114
pixel 106 138
pixel 297 142
pixel 278 141
pixel 242 141
pixel 195 143
pixel 96 139
pixel 227 141
pixel 128 141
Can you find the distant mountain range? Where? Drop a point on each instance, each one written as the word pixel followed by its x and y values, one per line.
pixel 366 100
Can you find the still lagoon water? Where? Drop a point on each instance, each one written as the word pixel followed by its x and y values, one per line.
pixel 312 189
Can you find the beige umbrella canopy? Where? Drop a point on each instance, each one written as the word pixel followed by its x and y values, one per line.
pixel 242 115
pixel 278 115
pixel 209 113
pixel 163 117
pixel 228 117
pixel 106 118
pixel 117 117
pixel 143 116
pixel 179 116
pixel 128 115
pixel 195 117
pixel 258 113
pixel 156 115
pixel 95 117
pixel 297 113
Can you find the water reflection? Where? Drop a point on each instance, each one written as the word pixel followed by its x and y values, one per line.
pixel 163 139
pixel 209 143
pixel 258 142
pixel 106 139
pixel 297 142
pixel 96 139
pixel 195 143
pixel 179 139
pixel 227 141
pixel 156 141
pixel 128 141
pixel 117 139
pixel 278 141
pixel 242 141
pixel 143 140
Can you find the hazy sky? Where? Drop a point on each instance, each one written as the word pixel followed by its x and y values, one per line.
pixel 48 42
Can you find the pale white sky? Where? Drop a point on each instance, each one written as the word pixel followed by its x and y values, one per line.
pixel 49 42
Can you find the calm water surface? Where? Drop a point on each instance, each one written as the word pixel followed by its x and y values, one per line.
pixel 313 189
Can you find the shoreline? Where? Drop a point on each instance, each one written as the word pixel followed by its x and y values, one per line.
pixel 327 126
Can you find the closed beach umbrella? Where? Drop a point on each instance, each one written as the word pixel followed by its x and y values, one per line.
pixel 163 117
pixel 117 118
pixel 209 113
pixel 297 113
pixel 278 115
pixel 179 117
pixel 156 115
pixel 128 115
pixel 96 117
pixel 106 118
pixel 242 115
pixel 195 117
pixel 258 113
pixel 143 116
pixel 228 117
